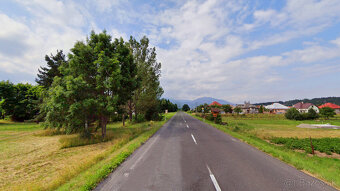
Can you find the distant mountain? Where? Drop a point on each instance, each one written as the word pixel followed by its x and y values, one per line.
pixel 198 101
pixel 315 101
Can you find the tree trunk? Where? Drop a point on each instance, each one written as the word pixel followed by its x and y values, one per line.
pixel 103 124
pixel 136 99
pixel 123 120
pixel 86 127
pixel 130 109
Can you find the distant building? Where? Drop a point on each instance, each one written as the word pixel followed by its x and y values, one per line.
pixel 277 108
pixel 304 107
pixel 331 105
pixel 248 108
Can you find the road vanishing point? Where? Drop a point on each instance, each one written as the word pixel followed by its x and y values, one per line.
pixel 187 154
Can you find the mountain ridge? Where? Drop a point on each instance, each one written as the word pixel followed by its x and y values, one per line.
pixel 315 101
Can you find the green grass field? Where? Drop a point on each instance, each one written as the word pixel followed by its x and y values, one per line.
pixel 30 160
pixel 259 130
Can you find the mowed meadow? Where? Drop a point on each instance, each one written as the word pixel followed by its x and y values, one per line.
pixel 35 159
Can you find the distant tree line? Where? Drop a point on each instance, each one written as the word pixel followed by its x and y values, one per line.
pixel 20 101
pixel 315 101
pixel 100 79
pixel 166 104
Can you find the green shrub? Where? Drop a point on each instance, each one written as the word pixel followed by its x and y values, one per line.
pixel 139 118
pixel 293 114
pixel 218 119
pixel 210 117
pixel 327 112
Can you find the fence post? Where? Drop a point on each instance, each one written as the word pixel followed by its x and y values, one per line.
pixel 311 144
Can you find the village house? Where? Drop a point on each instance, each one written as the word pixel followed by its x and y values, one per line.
pixel 331 105
pixel 304 107
pixel 215 103
pixel 248 108
pixel 277 108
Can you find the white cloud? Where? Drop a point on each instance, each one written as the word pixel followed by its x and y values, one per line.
pixel 52 25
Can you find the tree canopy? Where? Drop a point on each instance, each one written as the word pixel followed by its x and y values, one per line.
pixel 98 78
pixel 146 97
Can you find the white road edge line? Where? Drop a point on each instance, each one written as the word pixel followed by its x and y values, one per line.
pixel 187 126
pixel 193 138
pixel 213 179
pixel 142 155
pixel 233 139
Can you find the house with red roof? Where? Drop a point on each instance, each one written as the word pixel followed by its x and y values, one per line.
pixel 215 103
pixel 331 105
pixel 304 107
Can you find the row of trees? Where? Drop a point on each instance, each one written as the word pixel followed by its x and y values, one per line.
pixel 100 78
pixel 166 104
pixel 205 108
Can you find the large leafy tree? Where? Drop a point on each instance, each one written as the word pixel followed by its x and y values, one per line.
pixel 46 74
pixel 146 96
pixel 91 87
pixel 227 108
pixel 129 81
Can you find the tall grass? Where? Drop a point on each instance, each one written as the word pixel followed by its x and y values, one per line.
pixel 74 141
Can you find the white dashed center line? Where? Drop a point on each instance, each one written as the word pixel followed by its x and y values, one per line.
pixel 213 179
pixel 193 138
pixel 187 126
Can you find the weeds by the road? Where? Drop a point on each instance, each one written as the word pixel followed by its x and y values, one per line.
pixel 324 145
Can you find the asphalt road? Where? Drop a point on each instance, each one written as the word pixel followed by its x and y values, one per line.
pixel 187 154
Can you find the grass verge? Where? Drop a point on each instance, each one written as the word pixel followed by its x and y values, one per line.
pixel 327 169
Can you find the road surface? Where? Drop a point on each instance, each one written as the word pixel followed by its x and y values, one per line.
pixel 187 154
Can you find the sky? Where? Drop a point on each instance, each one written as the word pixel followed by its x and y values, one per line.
pixel 235 50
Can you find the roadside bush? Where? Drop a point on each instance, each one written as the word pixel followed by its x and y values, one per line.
pixel 312 114
pixel 327 112
pixel 219 119
pixel 293 114
pixel 139 118
pixel 210 117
